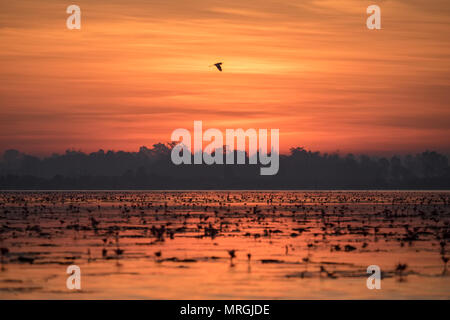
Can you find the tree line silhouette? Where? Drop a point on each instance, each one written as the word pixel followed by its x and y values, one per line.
pixel 152 168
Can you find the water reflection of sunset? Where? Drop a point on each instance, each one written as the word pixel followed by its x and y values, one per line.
pixel 225 244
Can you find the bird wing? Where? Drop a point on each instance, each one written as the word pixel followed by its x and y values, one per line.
pixel 218 65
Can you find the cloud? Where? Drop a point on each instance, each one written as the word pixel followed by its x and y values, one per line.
pixel 137 69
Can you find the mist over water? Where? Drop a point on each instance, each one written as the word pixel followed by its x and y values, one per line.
pixel 152 168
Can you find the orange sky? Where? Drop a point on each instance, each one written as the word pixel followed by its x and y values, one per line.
pixel 138 69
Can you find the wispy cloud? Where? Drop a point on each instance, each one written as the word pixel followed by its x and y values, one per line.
pixel 139 69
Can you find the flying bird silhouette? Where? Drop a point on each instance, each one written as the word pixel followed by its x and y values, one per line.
pixel 218 65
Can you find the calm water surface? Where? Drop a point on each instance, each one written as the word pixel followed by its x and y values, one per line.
pixel 179 245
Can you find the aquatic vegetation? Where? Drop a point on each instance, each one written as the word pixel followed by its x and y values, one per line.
pixel 205 241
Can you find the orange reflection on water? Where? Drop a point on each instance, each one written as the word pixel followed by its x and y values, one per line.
pixel 178 245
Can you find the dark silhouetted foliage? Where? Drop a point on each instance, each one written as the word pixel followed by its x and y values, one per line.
pixel 153 169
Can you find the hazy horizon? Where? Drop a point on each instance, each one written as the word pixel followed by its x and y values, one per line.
pixel 390 153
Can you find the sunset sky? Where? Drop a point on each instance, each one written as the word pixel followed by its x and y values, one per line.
pixel 138 69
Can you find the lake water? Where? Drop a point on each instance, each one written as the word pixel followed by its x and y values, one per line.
pixel 179 245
